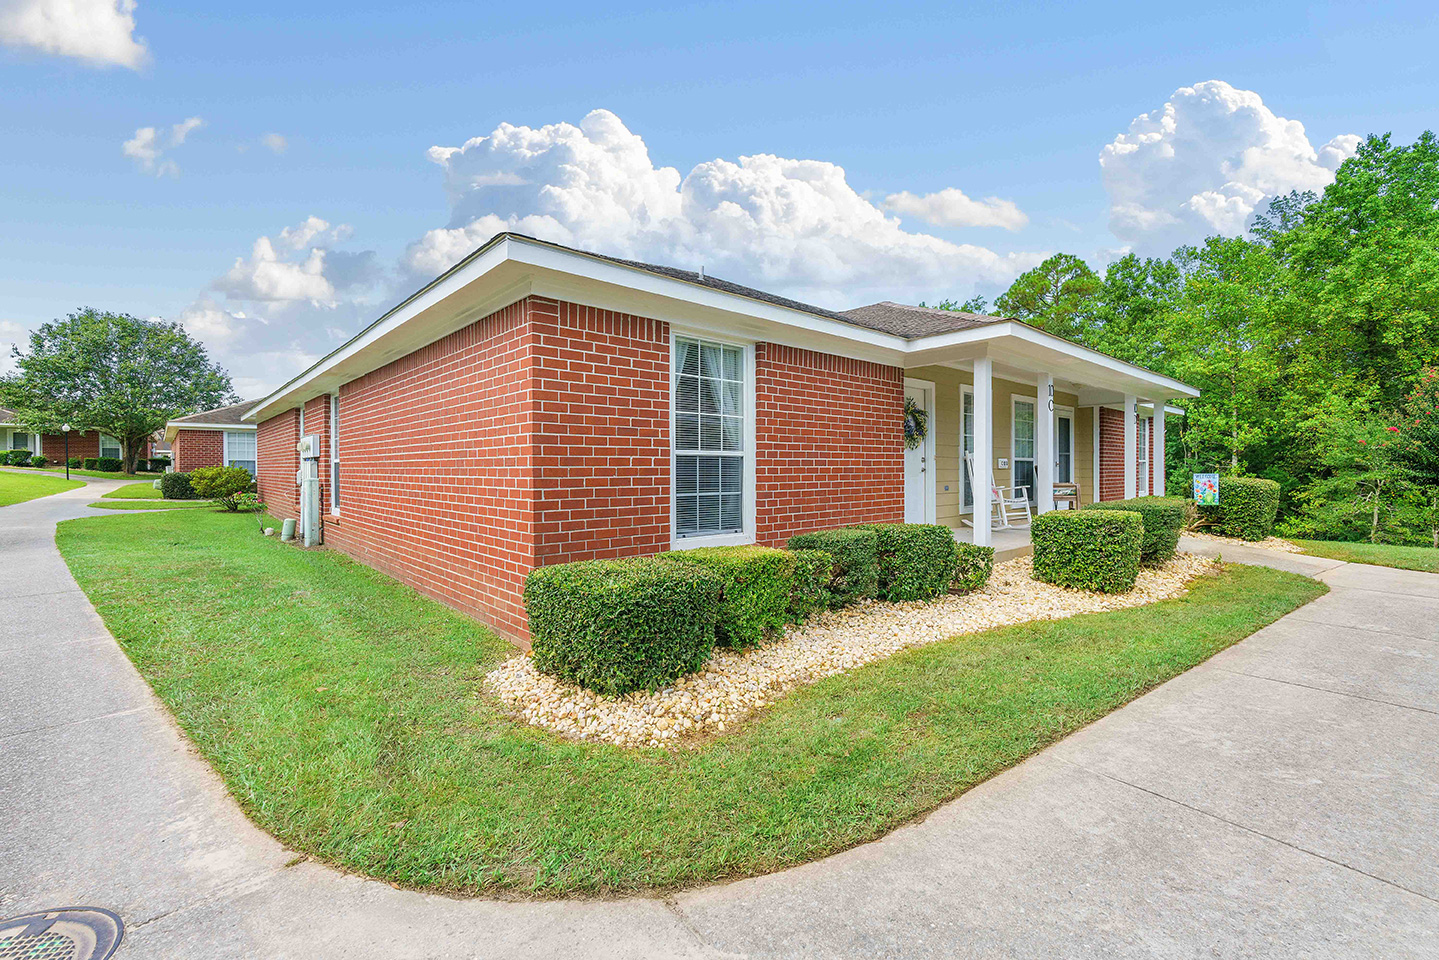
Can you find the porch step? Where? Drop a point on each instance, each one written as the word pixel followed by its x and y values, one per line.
pixel 1012 553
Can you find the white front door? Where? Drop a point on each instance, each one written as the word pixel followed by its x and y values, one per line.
pixel 918 464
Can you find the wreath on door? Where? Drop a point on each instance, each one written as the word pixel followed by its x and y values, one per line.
pixel 916 423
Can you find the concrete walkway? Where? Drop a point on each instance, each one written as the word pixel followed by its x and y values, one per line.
pixel 1281 800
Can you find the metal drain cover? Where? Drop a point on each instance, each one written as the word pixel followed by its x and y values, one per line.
pixel 66 933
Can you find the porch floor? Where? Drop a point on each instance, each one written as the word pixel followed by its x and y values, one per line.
pixel 1007 544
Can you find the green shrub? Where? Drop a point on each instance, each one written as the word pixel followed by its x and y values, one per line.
pixel 74 463
pixel 916 560
pixel 39 461
pixel 812 572
pixel 109 464
pixel 18 458
pixel 1246 509
pixel 856 564
pixel 221 484
pixel 972 568
pixel 177 486
pixel 755 591
pixel 615 626
pixel 90 463
pixel 158 464
pixel 1088 549
pixel 1163 519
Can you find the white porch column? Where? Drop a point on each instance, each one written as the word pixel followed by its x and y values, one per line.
pixel 1131 445
pixel 1158 457
pixel 983 448
pixel 1044 445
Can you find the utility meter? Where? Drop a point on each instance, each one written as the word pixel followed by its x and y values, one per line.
pixel 309 447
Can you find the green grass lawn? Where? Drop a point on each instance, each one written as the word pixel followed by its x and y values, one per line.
pixel 18 487
pixel 145 490
pixel 153 504
pixel 346 715
pixel 1380 554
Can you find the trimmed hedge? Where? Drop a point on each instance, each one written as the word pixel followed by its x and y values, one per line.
pixel 74 462
pixel 972 568
pixel 756 584
pixel 812 572
pixel 177 486
pixel 1088 549
pixel 1246 509
pixel 221 484
pixel 39 461
pixel 109 464
pixel 18 458
pixel 916 560
pixel 90 463
pixel 615 626
pixel 1163 519
pixel 855 553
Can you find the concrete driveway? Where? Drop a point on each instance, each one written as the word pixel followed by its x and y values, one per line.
pixel 1281 800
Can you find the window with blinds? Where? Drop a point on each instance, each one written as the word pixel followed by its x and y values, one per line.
pixel 709 438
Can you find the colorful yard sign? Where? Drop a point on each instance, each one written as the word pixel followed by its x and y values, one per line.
pixel 1206 489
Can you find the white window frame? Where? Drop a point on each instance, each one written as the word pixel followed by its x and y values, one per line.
pixel 1014 401
pixel 34 445
pixel 1141 486
pixel 334 452
pixel 966 392
pixel 747 535
pixel 100 445
pixel 1060 410
pixel 225 446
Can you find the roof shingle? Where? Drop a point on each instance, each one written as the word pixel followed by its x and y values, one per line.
pixel 230 414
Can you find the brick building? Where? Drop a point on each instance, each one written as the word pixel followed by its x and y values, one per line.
pixel 212 438
pixel 537 404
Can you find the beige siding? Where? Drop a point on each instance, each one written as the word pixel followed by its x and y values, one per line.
pixel 948 382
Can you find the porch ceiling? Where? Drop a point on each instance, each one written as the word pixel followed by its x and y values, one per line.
pixel 1022 353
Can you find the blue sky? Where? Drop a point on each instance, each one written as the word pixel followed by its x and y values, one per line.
pixel 950 147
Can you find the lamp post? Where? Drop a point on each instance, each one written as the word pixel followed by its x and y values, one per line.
pixel 65 429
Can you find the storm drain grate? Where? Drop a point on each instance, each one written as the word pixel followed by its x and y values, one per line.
pixel 68 933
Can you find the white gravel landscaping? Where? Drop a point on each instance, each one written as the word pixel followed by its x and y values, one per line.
pixel 1268 543
pixel 734 685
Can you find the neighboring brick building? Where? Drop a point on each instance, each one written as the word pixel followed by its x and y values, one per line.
pixel 537 404
pixel 212 438
pixel 52 446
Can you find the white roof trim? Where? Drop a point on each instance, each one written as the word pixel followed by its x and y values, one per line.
pixel 508 248
pixel 175 426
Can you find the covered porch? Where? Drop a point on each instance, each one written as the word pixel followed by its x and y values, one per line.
pixel 1016 412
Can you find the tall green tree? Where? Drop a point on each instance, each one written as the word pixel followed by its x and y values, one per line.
pixel 1220 339
pixel 1134 308
pixel 1058 296
pixel 113 373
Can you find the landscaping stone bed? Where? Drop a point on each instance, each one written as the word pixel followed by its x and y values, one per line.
pixel 734 685
pixel 1268 543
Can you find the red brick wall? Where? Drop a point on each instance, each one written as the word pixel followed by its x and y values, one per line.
pixel 436 468
pixel 197 448
pixel 85 444
pixel 276 462
pixel 1111 454
pixel 317 422
pixel 601 431
pixel 830 444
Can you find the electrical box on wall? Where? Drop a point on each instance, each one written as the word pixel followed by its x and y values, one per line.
pixel 309 447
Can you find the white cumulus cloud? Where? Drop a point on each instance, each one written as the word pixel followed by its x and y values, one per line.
pixel 147 148
pixel 1205 162
pixel 951 207
pixel 275 142
pixel 100 32
pixel 790 226
pixel 266 276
